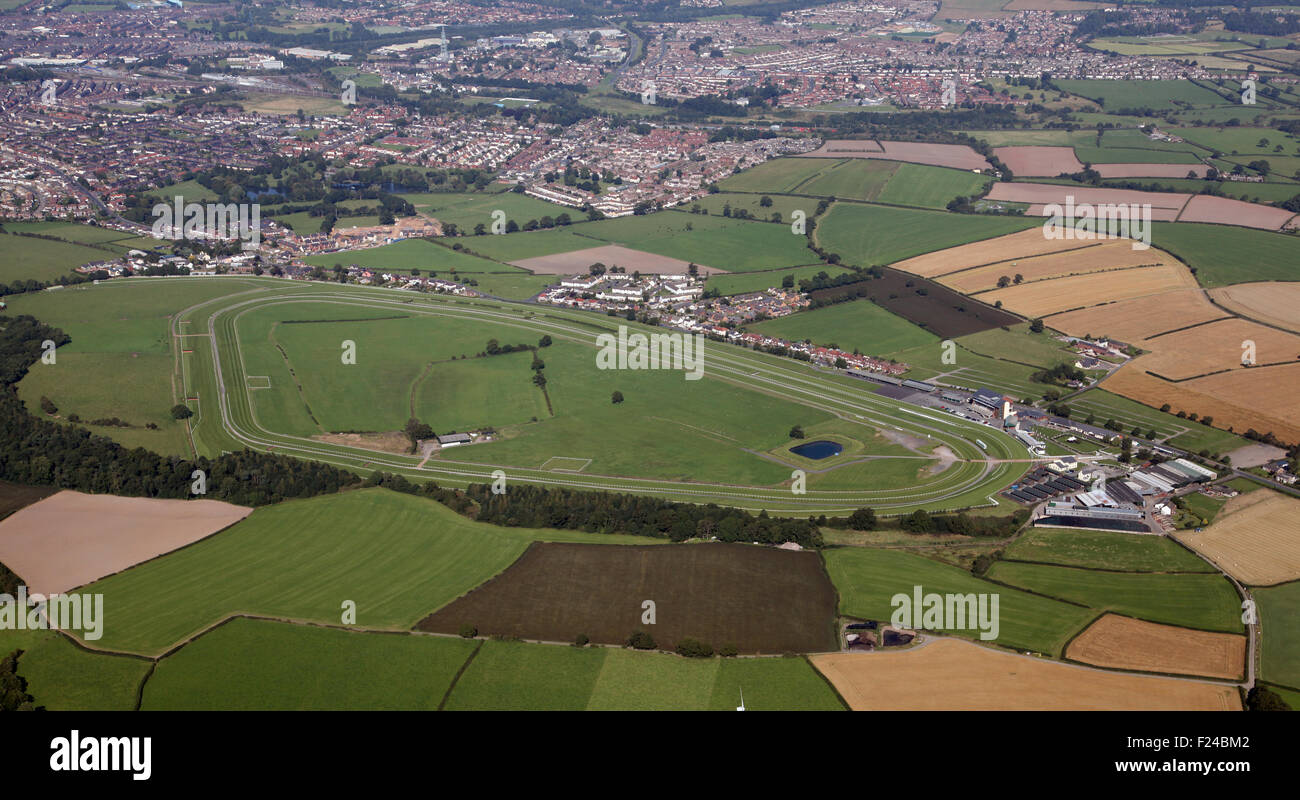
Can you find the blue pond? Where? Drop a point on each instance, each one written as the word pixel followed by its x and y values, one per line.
pixel 818 450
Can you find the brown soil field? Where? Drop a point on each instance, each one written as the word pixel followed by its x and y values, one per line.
pixel 1052 5
pixel 1255 538
pixel 761 599
pixel 949 674
pixel 1262 398
pixel 1204 208
pixel 1126 643
pixel 577 262
pixel 1052 193
pixel 1134 320
pixel 1111 254
pixel 1157 214
pixel 1049 297
pixel 1271 302
pixel 1034 161
pixel 957 156
pixel 1216 346
pixel 71 539
pixel 1149 170
pixel 1023 244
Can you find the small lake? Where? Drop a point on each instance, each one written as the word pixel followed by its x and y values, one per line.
pixel 818 450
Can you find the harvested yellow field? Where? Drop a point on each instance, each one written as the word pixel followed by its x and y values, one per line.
pixel 1023 244
pixel 1134 320
pixel 949 674
pixel 1271 302
pixel 1079 291
pixel 1126 643
pixel 1217 346
pixel 1110 255
pixel 1255 538
pixel 1262 398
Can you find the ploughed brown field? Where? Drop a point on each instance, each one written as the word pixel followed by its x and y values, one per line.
pixel 1126 643
pixel 71 539
pixel 950 674
pixel 577 262
pixel 1270 302
pixel 1038 161
pixel 1179 206
pixel 1255 538
pixel 931 305
pixel 760 599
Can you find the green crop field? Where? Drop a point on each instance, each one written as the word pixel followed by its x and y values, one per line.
pixel 63 677
pixel 409 254
pixel 742 282
pixel 397 557
pixel 1122 552
pixel 1207 602
pixel 1279 616
pixel 783 204
pixel 779 175
pixel 468 209
pixel 521 286
pixel 730 244
pixel 851 179
pixel 260 665
pixel 1214 251
pixel 1160 95
pixel 858 325
pixel 28 258
pixel 517 676
pixel 867 579
pixel 931 187
pixel 865 235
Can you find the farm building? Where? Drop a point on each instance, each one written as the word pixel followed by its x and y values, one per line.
pixel 453 439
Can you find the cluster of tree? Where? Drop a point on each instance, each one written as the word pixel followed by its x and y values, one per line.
pixel 610 512
pixel 963 524
pixel 1262 698
pixel 852 281
pixel 27 285
pixel 495 348
pixel 1059 374
pixel 13 687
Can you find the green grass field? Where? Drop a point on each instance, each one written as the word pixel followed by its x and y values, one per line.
pixel 468 209
pixel 397 557
pixel 63 677
pixel 1104 550
pixel 866 580
pixel 1215 251
pixel 778 176
pixel 866 235
pixel 409 254
pixel 517 676
pixel 260 665
pixel 742 282
pixel 858 325
pixel 1160 95
pixel 1279 611
pixel 28 258
pixel 1207 602
pixel 930 187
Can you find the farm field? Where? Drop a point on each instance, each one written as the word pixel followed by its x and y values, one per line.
pixel 518 676
pixel 784 175
pixel 14 496
pixel 1038 161
pixel 930 187
pixel 513 286
pixel 867 235
pixel 1124 643
pixel 1045 297
pixel 1254 538
pixel 301 559
pixel 63 677
pixel 1116 95
pixel 1279 608
pixel 1206 602
pixel 949 674
pixel 956 156
pixel 1136 319
pixel 1271 302
pixel 45 260
pixel 866 580
pixel 1105 256
pixel 251 664
pixel 409 254
pixel 783 204
pixel 1103 550
pixel 997 250
pixel 742 282
pixel 71 538
pixel 1215 347
pixel 756 598
pixel 1214 251
pixel 856 325
pixel 853 179
pixel 611 255
pixel 468 209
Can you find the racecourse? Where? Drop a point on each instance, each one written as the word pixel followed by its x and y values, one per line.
pixel 226 418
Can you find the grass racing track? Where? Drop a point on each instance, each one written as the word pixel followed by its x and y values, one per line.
pixel 213 375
